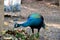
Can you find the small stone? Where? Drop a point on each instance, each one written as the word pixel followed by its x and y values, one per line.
pixel 11 21
pixel 15 15
pixel 6 23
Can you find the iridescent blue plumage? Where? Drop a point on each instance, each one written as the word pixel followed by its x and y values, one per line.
pixel 34 20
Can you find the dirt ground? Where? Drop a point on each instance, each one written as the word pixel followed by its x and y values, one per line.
pixel 51 15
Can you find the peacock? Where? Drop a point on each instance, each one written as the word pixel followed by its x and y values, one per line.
pixel 34 20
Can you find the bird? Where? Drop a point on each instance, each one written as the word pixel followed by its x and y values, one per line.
pixel 34 21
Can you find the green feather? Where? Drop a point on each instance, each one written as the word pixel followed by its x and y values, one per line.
pixel 35 15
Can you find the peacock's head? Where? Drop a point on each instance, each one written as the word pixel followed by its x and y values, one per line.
pixel 16 25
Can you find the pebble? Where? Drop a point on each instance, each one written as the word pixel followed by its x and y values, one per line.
pixel 6 23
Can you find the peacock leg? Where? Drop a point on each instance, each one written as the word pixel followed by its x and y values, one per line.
pixel 38 30
pixel 32 30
